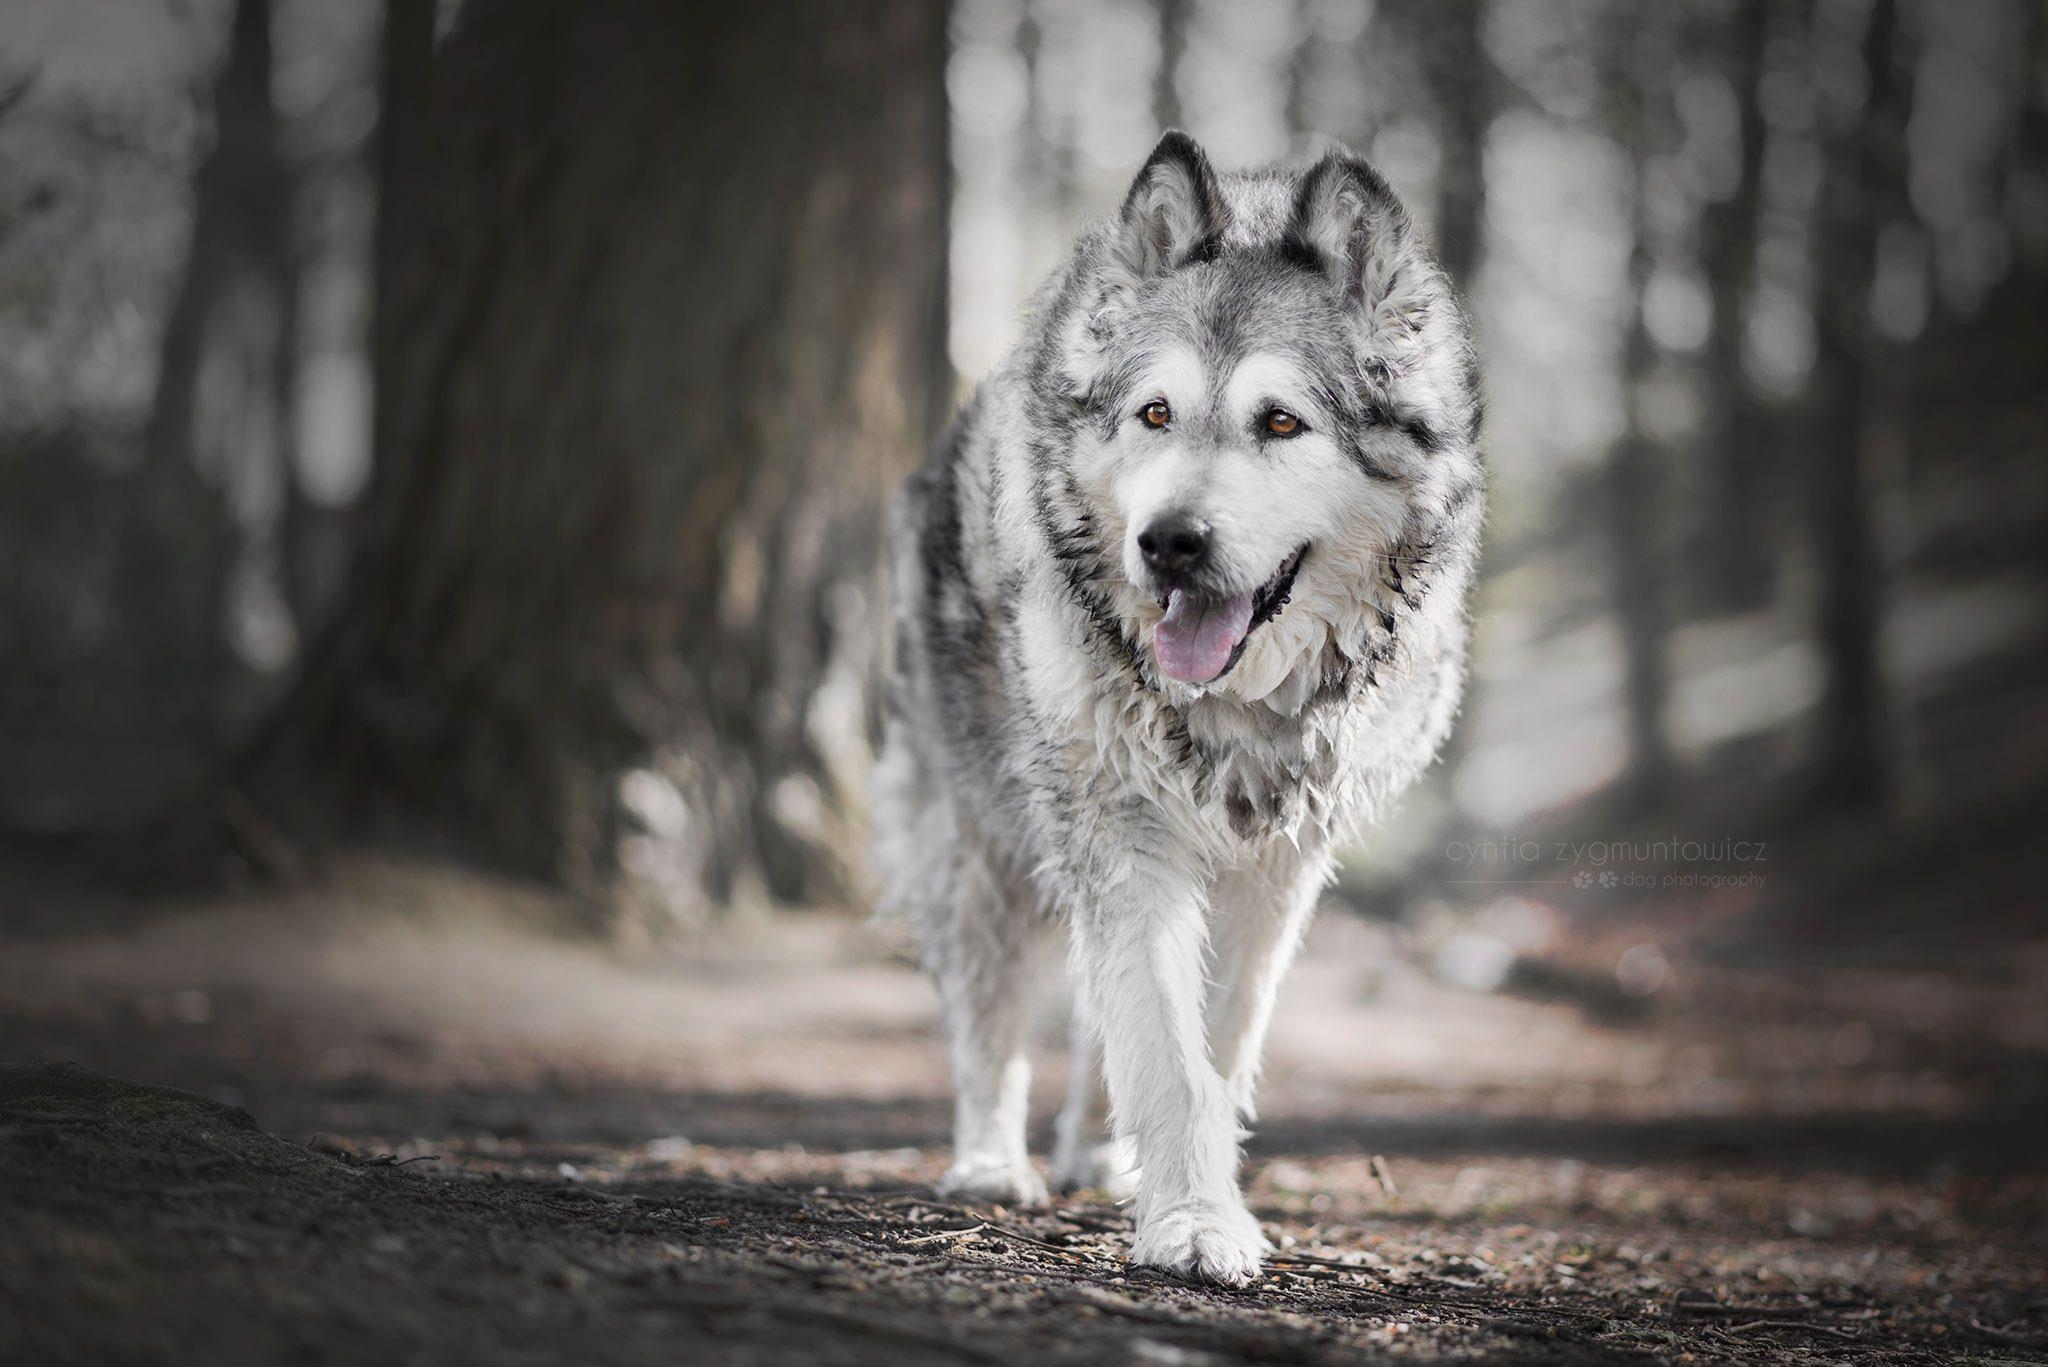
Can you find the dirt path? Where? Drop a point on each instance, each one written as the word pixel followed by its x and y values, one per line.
pixel 475 1143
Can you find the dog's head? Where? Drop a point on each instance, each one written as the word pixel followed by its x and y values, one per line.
pixel 1278 395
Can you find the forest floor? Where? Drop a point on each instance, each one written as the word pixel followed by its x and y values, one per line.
pixel 420 1126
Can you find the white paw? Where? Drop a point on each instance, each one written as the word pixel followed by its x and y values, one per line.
pixel 1010 1182
pixel 1204 1242
pixel 1105 1167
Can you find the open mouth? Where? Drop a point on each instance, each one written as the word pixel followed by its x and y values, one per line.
pixel 1202 636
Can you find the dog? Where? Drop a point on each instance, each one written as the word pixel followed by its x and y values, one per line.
pixel 1180 601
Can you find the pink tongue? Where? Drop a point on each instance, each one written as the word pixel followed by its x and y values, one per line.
pixel 1194 640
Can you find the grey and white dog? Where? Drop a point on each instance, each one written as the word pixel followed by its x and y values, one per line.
pixel 1180 600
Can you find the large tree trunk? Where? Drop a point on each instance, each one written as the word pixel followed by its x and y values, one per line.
pixel 660 325
pixel 1863 183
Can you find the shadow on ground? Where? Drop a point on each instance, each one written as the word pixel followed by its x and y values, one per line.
pixel 155 1224
pixel 410 1138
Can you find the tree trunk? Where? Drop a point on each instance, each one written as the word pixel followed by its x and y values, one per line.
pixel 1865 172
pixel 1742 572
pixel 1463 78
pixel 658 318
pixel 1636 570
pixel 232 315
pixel 1173 46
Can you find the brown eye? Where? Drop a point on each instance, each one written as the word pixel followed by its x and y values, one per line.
pixel 1156 414
pixel 1282 423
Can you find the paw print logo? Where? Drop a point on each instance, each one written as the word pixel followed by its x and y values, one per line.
pixel 1609 878
pixel 1582 879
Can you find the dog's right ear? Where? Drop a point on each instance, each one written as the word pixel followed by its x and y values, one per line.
pixel 1174 213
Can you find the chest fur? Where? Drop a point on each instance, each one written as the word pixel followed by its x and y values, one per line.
pixel 1227 777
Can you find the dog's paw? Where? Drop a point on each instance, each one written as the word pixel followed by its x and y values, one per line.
pixel 1103 1167
pixel 1204 1242
pixel 1009 1182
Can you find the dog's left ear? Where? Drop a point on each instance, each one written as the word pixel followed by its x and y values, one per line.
pixel 1349 223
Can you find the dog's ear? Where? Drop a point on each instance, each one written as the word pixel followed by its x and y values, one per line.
pixel 1349 223
pixel 1174 213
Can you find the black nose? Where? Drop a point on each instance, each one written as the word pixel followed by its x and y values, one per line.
pixel 1175 544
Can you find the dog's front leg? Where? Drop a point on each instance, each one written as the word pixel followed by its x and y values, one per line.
pixel 1257 916
pixel 1138 947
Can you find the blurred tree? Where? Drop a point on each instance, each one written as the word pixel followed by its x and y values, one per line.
pixel 1055 113
pixel 1173 45
pixel 659 325
pixel 656 325
pixel 1735 433
pixel 1643 64
pixel 230 325
pixel 2026 153
pixel 1863 188
pixel 1464 83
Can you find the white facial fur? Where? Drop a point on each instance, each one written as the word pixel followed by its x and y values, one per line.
pixel 1261 497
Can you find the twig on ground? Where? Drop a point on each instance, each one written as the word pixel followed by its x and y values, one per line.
pixel 946 1234
pixel 1085 1254
pixel 1807 1326
pixel 1311 1260
pixel 2015 1338
pixel 1008 1232
pixel 962 1267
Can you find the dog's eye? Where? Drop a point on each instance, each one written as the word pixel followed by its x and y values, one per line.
pixel 1282 423
pixel 1156 414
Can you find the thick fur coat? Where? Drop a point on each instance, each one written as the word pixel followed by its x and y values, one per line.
pixel 1180 601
